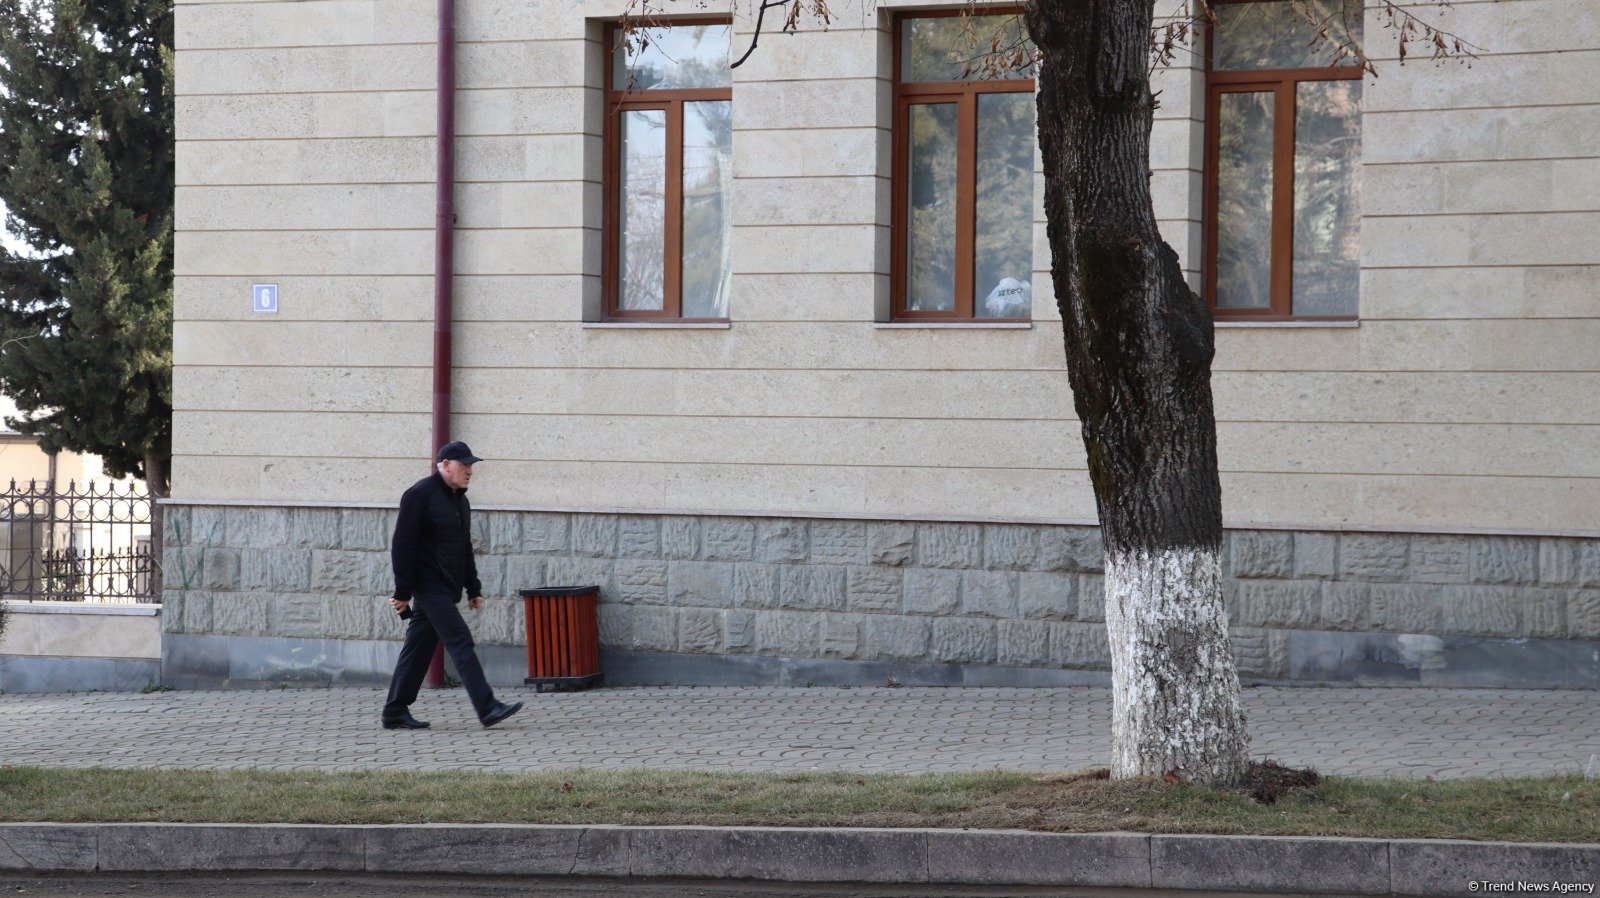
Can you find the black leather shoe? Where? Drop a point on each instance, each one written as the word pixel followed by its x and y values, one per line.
pixel 500 712
pixel 405 722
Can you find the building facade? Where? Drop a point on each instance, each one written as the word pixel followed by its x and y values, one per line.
pixel 771 354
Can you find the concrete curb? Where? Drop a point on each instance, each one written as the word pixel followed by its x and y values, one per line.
pixel 969 857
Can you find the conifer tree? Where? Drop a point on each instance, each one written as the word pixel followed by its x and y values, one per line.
pixel 86 176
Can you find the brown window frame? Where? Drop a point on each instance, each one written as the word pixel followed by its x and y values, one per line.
pixel 965 95
pixel 1282 83
pixel 617 101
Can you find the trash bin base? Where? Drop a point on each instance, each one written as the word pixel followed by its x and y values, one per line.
pixel 559 683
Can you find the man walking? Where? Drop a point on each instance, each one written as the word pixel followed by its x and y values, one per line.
pixel 433 563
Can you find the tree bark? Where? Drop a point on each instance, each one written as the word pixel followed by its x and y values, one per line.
pixel 1139 345
pixel 155 478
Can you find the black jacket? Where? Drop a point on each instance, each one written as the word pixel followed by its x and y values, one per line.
pixel 432 546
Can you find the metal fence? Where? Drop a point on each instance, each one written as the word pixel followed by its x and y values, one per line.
pixel 88 543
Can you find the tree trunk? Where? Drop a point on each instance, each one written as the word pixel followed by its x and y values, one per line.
pixel 155 478
pixel 1138 347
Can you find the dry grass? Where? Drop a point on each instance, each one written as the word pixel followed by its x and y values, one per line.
pixel 1558 809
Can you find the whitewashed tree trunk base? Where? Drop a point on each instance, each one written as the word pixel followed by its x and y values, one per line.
pixel 1175 691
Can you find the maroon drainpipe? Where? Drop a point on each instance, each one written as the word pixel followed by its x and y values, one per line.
pixel 444 246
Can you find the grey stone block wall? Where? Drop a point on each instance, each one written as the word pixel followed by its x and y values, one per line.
pixel 1018 596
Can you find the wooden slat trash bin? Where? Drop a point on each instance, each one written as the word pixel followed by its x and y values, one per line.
pixel 563 636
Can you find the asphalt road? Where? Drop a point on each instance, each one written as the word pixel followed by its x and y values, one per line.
pixel 322 886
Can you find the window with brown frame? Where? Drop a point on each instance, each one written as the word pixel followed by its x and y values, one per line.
pixel 668 173
pixel 1283 150
pixel 963 180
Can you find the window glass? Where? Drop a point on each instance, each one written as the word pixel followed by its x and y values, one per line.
pixel 1275 35
pixel 707 186
pixel 1003 239
pixel 682 56
pixel 1244 200
pixel 1327 197
pixel 931 212
pixel 642 243
pixel 951 48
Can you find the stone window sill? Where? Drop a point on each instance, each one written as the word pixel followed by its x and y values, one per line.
pixel 1246 325
pixel 658 325
pixel 953 325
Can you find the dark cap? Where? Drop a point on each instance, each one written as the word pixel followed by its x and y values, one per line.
pixel 457 451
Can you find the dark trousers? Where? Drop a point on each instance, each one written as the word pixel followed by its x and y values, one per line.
pixel 434 618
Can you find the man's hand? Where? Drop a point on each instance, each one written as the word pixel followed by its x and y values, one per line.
pixel 475 602
pixel 401 606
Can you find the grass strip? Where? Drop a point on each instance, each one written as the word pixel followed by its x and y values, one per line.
pixel 1553 809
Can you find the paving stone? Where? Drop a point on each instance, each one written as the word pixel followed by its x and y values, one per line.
pixel 838 542
pixel 780 540
pixel 1261 553
pixel 989 593
pixel 727 539
pixel 639 536
pixel 1023 643
pixel 1075 549
pixel 891 543
pixel 950 545
pixel 594 535
pixel 1504 560
pixel 1315 556
pixel 874 589
pixel 1373 556
pixel 545 533
pixel 811 587
pixel 932 591
pixel 1345 731
pixel 1047 595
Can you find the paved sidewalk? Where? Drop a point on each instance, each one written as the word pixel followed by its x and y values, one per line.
pixel 1412 732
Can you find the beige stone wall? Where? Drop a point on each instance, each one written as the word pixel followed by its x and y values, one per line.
pixel 1468 398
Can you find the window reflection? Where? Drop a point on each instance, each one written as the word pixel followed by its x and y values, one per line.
pixel 1244 200
pixel 643 239
pixel 931 216
pixel 1275 35
pixel 1327 198
pixel 707 187
pixel 1003 239
pixel 681 56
